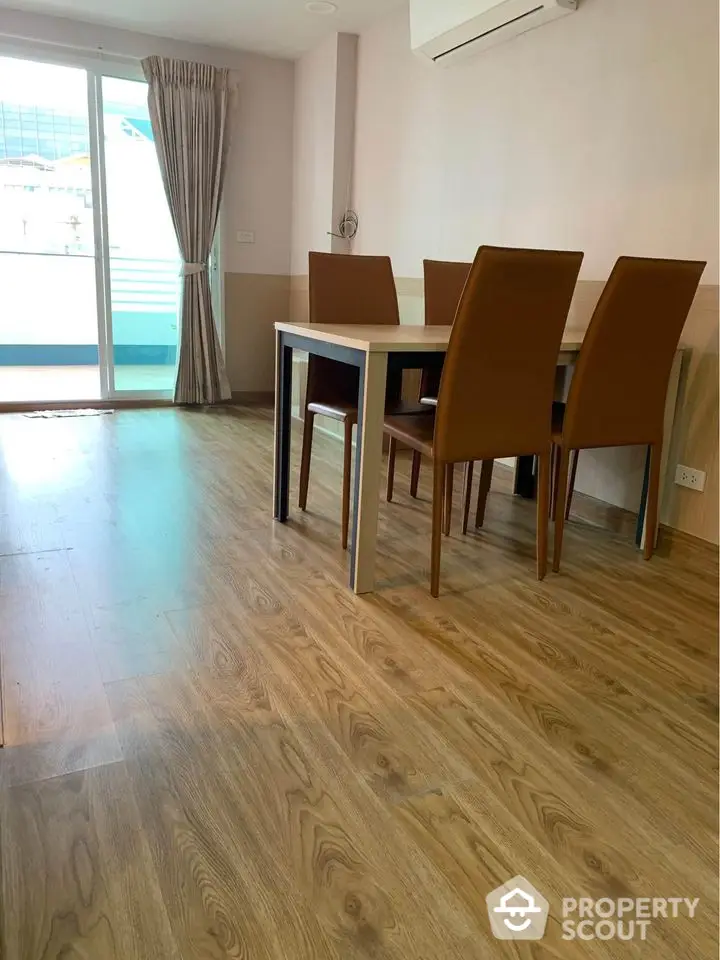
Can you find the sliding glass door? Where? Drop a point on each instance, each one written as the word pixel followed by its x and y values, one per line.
pixel 144 265
pixel 48 295
pixel 89 265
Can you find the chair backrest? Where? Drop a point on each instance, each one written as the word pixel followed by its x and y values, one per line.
pixel 346 289
pixel 352 289
pixel 444 284
pixel 498 381
pixel 618 390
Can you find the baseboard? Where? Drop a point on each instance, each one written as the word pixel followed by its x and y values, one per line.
pixel 673 535
pixel 22 406
pixel 254 397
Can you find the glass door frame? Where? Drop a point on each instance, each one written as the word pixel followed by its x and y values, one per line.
pixel 98 66
pixel 100 227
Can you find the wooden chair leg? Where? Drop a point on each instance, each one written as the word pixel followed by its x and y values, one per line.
pixel 554 467
pixel 347 469
pixel 305 458
pixel 653 500
pixel 467 494
pixel 392 451
pixel 543 510
pixel 486 472
pixel 571 485
pixel 561 489
pixel 438 502
pixel 449 478
pixel 415 473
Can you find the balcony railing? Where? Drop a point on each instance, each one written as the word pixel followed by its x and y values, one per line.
pixel 49 301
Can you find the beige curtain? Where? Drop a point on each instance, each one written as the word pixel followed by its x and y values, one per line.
pixel 188 104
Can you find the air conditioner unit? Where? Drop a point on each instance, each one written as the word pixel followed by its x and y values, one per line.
pixel 445 30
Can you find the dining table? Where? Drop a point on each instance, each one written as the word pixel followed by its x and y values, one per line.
pixel 381 353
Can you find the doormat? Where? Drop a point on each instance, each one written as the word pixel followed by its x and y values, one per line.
pixel 67 413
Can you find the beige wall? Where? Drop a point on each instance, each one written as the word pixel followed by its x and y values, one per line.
pixel 254 301
pixel 258 185
pixel 597 132
pixel 696 436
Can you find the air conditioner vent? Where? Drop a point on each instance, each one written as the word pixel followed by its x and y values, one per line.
pixel 445 31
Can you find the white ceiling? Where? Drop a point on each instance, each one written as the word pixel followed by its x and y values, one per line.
pixel 277 27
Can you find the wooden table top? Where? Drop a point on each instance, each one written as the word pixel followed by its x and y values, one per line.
pixel 388 338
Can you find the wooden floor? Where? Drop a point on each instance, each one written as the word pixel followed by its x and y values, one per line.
pixel 216 751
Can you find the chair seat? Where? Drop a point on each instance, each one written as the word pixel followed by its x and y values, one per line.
pixel 409 409
pixel 416 432
pixel 347 411
pixel 558 419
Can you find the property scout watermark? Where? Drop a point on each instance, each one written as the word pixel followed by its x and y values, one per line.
pixel 627 918
pixel 518 911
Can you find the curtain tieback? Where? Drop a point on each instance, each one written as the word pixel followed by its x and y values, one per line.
pixel 190 269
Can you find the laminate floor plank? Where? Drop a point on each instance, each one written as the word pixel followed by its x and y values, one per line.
pixel 223 892
pixel 592 669
pixel 368 720
pixel 474 852
pixel 56 716
pixel 476 844
pixel 577 727
pixel 217 751
pixel 571 748
pixel 309 803
pixel 77 878
pixel 607 641
pixel 683 936
pixel 549 806
pixel 281 847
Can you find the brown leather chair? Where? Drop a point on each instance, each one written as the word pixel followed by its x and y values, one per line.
pixel 444 281
pixel 496 390
pixel 618 390
pixel 343 289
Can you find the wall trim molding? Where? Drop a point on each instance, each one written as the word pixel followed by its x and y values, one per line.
pixel 129 403
pixel 253 398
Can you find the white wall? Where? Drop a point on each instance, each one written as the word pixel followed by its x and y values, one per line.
pixel 325 82
pixel 315 82
pixel 344 144
pixel 258 190
pixel 597 132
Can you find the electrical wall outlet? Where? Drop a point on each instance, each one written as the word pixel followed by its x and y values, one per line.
pixel 687 477
pixel 245 236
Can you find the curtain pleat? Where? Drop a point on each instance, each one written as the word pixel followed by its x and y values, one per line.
pixel 188 105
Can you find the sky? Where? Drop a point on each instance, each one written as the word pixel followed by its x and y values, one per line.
pixel 45 85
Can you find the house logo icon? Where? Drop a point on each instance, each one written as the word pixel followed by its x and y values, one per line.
pixel 517 911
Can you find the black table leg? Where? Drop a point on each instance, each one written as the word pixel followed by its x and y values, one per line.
pixel 525 481
pixel 643 502
pixel 283 407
